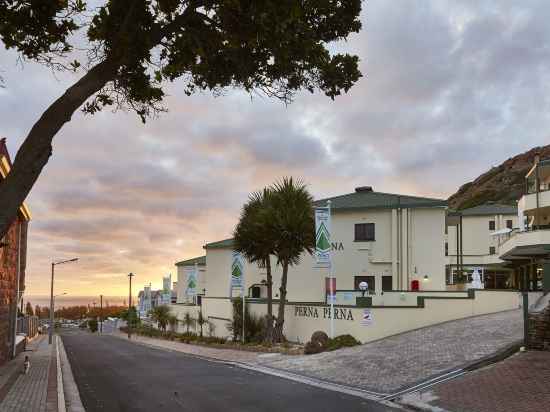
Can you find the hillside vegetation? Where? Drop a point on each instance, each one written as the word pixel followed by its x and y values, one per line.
pixel 501 184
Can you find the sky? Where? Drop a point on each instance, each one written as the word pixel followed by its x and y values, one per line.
pixel 449 89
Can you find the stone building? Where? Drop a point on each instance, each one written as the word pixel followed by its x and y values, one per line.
pixel 13 252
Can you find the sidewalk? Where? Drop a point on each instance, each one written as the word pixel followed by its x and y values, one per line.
pixel 520 383
pixel 36 391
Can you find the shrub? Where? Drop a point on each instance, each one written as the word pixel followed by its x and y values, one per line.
pixel 312 348
pixel 255 326
pixel 92 324
pixel 321 338
pixel 342 341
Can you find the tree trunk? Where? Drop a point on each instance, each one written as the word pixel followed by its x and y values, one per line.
pixel 278 332
pixel 269 319
pixel 37 147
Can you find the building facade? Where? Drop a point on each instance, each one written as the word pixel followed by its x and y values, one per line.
pixel 527 250
pixel 13 253
pixel 472 242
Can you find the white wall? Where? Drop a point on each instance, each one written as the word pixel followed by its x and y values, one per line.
pixel 306 283
pixel 394 320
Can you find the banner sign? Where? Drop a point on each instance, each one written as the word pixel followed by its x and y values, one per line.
pixel 237 272
pixel 322 236
pixel 192 279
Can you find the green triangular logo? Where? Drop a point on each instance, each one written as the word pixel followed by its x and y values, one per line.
pixel 237 272
pixel 322 242
pixel 191 284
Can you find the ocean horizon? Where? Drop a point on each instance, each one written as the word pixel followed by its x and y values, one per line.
pixel 61 301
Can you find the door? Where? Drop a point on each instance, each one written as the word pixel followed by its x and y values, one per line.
pixel 386 283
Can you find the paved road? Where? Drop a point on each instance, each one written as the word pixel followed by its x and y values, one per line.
pixel 117 376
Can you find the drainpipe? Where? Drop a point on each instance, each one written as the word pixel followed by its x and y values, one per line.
pixel 17 289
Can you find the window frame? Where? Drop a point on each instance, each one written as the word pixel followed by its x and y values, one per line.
pixel 366 232
pixel 492 225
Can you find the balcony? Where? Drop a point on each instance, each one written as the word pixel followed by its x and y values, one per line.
pixel 528 203
pixel 524 244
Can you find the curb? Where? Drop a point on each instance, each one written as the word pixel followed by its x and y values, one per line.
pixel 60 391
pixel 72 399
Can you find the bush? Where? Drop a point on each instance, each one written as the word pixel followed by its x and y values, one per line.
pixel 255 326
pixel 312 348
pixel 320 343
pixel 92 324
pixel 342 341
pixel 320 338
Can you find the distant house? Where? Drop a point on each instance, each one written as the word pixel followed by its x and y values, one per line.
pixel 13 257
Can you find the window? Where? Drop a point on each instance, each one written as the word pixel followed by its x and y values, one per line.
pixel 364 232
pixel 509 224
pixel 492 250
pixel 446 249
pixel 491 225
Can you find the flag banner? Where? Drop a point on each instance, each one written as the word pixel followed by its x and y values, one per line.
pixel 322 237
pixel 192 280
pixel 237 272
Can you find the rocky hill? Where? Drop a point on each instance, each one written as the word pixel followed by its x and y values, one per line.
pixel 502 184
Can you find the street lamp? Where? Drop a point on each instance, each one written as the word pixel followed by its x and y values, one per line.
pixel 128 325
pixel 54 264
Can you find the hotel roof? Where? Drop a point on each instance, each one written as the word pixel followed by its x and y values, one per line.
pixel 366 198
pixel 200 261
pixel 222 244
pixel 490 209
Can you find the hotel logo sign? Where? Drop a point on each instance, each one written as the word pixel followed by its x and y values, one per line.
pixel 237 273
pixel 322 236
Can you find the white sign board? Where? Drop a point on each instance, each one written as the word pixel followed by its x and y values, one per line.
pixel 367 317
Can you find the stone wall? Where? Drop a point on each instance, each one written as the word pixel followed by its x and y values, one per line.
pixel 8 276
pixel 539 329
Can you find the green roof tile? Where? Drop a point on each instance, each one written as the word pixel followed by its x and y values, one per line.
pixel 222 244
pixel 200 261
pixel 490 209
pixel 377 200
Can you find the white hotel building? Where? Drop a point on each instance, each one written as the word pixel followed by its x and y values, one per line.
pixel 394 242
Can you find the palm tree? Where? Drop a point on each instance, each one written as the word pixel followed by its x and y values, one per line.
pixel 292 222
pixel 188 321
pixel 161 315
pixel 253 239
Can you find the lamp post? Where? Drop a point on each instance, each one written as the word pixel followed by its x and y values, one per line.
pixel 54 264
pixel 130 276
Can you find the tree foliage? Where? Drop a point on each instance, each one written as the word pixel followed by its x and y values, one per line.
pixel 133 47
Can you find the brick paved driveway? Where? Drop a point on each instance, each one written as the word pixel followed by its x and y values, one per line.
pixel 520 383
pixel 393 363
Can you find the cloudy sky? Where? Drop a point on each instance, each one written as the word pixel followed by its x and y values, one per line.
pixel 449 89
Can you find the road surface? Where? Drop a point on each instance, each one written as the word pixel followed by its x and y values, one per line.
pixel 114 375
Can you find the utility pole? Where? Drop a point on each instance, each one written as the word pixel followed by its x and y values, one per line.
pixel 100 314
pixel 130 276
pixel 50 329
